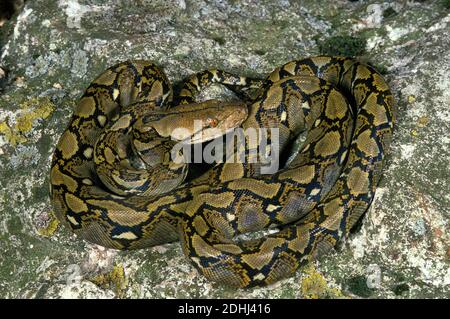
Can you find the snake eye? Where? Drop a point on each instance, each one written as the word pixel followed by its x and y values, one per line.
pixel 212 122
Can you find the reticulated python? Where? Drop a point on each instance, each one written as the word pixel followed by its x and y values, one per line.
pixel 103 169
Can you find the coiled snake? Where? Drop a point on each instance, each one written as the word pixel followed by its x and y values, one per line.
pixel 103 183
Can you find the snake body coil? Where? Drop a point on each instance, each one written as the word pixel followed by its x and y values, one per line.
pixel 346 107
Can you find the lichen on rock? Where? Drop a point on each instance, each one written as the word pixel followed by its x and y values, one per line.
pixel 51 50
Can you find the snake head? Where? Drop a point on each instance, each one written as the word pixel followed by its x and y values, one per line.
pixel 201 122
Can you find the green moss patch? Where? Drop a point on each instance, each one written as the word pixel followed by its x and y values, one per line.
pixel 343 45
pixel 358 286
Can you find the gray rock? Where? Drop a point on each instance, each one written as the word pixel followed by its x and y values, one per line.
pixel 53 49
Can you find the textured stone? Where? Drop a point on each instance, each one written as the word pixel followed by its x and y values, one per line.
pixel 53 49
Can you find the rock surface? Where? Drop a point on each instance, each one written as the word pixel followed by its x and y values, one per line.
pixel 53 49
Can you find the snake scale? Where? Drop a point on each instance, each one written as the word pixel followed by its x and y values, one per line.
pixel 103 168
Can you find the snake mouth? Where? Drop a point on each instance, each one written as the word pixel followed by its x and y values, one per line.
pixel 207 120
pixel 199 122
